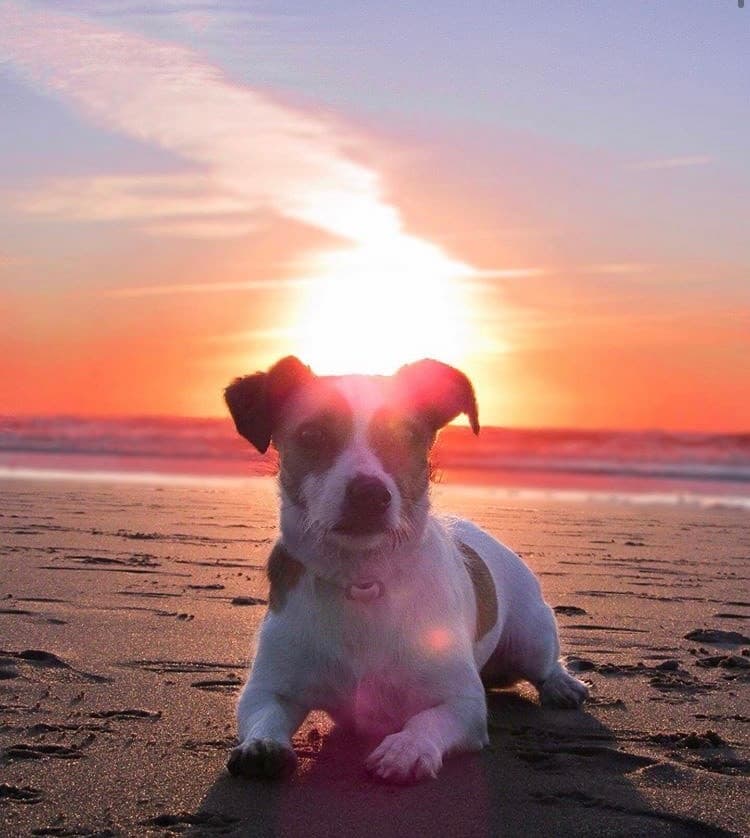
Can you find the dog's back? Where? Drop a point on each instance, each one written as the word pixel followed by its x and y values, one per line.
pixel 503 655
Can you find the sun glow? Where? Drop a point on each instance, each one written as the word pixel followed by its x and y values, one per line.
pixel 383 299
pixel 381 304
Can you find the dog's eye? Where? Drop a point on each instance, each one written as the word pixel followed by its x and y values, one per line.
pixel 312 437
pixel 403 432
pixel 412 433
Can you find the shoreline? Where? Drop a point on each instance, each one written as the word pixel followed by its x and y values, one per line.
pixel 638 492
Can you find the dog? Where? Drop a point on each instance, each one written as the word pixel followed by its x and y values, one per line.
pixel 390 619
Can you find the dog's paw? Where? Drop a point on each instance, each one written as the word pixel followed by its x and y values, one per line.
pixel 263 759
pixel 403 758
pixel 561 689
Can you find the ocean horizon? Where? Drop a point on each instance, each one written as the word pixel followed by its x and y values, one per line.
pixel 629 466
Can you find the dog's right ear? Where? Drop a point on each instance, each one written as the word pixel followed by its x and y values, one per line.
pixel 256 401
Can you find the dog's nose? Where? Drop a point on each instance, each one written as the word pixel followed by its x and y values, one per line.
pixel 367 494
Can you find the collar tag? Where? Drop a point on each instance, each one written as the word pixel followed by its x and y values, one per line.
pixel 365 592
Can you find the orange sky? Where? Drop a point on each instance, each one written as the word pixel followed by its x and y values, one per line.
pixel 175 225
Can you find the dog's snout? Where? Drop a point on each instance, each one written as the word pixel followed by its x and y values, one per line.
pixel 365 507
pixel 367 494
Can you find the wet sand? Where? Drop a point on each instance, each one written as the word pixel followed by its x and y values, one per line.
pixel 126 617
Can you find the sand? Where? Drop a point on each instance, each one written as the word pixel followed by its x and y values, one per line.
pixel 126 616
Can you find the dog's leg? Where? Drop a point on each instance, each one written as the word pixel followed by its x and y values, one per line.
pixel 417 751
pixel 266 722
pixel 539 661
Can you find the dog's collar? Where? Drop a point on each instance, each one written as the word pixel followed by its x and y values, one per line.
pixel 364 591
pixel 286 571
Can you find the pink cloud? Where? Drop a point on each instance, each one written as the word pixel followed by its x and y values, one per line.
pixel 247 151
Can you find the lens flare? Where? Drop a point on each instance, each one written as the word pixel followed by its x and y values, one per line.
pixel 438 639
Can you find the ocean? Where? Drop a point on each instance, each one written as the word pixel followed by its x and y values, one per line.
pixel 660 466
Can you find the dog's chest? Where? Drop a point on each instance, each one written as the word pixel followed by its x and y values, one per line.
pixel 371 671
pixel 383 701
pixel 377 697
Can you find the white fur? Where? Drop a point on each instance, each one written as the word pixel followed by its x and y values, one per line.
pixel 404 667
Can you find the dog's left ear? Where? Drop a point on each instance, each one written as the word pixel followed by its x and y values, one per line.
pixel 439 392
pixel 256 401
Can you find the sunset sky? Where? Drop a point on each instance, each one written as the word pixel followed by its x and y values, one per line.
pixel 554 196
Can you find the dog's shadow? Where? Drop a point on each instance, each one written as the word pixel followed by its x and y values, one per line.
pixel 550 772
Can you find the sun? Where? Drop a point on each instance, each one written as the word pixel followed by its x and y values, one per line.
pixel 381 304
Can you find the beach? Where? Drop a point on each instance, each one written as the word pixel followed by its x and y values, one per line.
pixel 127 611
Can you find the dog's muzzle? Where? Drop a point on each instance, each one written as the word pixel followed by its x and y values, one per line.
pixel 365 507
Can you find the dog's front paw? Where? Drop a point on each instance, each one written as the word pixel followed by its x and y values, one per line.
pixel 262 758
pixel 562 689
pixel 403 758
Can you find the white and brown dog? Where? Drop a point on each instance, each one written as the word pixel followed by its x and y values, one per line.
pixel 386 617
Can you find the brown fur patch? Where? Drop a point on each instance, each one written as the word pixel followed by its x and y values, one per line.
pixel 484 589
pixel 284 572
pixel 402 444
pixel 312 445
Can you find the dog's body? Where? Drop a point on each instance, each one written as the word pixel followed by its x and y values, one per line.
pixel 389 619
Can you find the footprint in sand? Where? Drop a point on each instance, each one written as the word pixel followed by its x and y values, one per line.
pixel 724 662
pixel 19 794
pixel 25 751
pixel 569 610
pixel 223 685
pixel 185 820
pixel 39 658
pixel 128 713
pixel 717 637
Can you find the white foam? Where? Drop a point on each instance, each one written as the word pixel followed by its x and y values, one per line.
pixel 617 496
pixel 138 477
pixel 507 493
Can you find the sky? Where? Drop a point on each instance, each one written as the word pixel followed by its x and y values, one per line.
pixel 551 196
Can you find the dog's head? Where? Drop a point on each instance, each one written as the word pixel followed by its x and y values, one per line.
pixel 353 449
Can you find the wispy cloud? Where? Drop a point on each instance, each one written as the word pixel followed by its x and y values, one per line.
pixel 251 335
pixel 615 268
pixel 245 152
pixel 11 261
pixel 140 197
pixel 267 285
pixel 674 162
pixel 209 228
pixel 161 8
pixel 482 278
pixel 507 273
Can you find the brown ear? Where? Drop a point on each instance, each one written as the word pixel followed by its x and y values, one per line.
pixel 439 392
pixel 256 401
